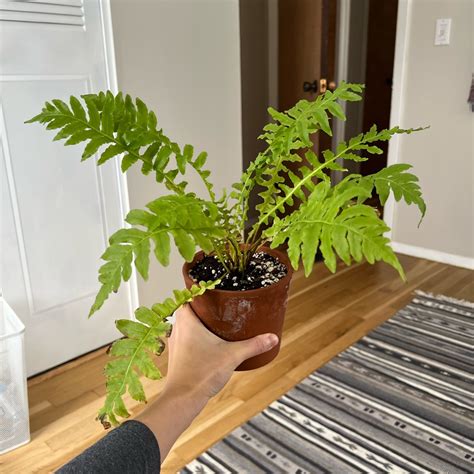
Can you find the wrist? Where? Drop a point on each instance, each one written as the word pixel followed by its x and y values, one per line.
pixel 190 397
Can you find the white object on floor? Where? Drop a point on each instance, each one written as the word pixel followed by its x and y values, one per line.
pixel 14 419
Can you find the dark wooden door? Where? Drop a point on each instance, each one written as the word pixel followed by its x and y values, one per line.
pixel 381 32
pixel 307 45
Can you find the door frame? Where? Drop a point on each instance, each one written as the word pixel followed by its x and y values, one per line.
pixel 396 108
pixel 111 71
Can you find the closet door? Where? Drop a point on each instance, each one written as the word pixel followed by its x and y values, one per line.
pixel 57 212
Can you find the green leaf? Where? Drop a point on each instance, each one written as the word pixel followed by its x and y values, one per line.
pixel 77 109
pixel 67 130
pixel 336 110
pixel 323 121
pixel 188 151
pixel 162 247
pixel 94 116
pixel 142 257
pixel 134 355
pixel 185 244
pixel 200 160
pixel 402 184
pixel 142 113
pixel 110 152
pixel 162 158
pixel 80 136
pixel 61 106
pixel 140 217
pixel 127 161
pixel 107 116
pixel 152 121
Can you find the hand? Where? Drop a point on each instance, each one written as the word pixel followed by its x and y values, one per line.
pixel 199 365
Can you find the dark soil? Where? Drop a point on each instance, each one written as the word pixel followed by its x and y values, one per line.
pixel 262 270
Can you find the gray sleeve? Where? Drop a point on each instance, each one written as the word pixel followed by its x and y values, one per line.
pixel 130 448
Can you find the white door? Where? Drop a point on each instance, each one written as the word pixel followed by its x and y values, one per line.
pixel 57 212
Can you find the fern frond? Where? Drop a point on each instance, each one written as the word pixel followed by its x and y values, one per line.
pixel 329 221
pixel 133 356
pixel 303 179
pixel 403 185
pixel 291 131
pixel 189 221
pixel 116 125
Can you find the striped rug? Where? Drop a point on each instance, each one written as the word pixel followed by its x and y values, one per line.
pixel 399 400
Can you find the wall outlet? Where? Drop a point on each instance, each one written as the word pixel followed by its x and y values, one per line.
pixel 443 31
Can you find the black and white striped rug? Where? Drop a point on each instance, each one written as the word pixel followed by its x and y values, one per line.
pixel 399 400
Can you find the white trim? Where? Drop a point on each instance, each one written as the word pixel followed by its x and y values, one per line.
pixel 112 82
pixel 396 108
pixel 342 58
pixel 272 12
pixel 15 209
pixel 108 38
pixel 436 255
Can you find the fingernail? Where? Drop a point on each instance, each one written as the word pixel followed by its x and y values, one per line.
pixel 272 341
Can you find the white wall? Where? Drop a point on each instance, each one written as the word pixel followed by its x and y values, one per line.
pixel 182 58
pixel 431 86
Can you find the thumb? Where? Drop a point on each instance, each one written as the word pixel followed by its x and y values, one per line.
pixel 254 346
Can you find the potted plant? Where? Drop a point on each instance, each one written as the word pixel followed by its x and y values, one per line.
pixel 238 282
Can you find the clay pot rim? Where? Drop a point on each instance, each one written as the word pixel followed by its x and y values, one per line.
pixel 276 253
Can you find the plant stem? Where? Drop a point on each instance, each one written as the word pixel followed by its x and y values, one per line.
pixel 221 258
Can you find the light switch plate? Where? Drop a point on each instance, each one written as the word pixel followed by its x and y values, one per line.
pixel 443 31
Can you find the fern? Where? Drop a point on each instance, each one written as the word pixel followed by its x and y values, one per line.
pixel 128 129
pixel 189 221
pixel 133 356
pixel 330 221
pixel 298 205
pixel 304 180
pixel 290 132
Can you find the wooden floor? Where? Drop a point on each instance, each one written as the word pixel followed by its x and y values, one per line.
pixel 326 313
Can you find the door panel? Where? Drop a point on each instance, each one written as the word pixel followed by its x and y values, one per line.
pixel 306 53
pixel 307 50
pixel 57 212
pixel 382 26
pixel 300 39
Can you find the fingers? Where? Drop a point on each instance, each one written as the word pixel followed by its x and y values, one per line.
pixel 252 347
pixel 187 319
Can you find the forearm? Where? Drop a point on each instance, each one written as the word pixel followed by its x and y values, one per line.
pixel 132 447
pixel 171 414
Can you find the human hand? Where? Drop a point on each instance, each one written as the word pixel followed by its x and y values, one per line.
pixel 201 363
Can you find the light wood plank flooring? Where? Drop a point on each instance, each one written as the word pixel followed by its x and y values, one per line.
pixel 326 313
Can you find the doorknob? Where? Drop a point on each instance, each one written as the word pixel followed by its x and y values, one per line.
pixel 310 86
pixel 323 86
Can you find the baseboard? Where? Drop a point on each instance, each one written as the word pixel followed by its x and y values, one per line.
pixel 437 256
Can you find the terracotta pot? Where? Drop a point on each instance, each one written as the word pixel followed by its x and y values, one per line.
pixel 239 315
